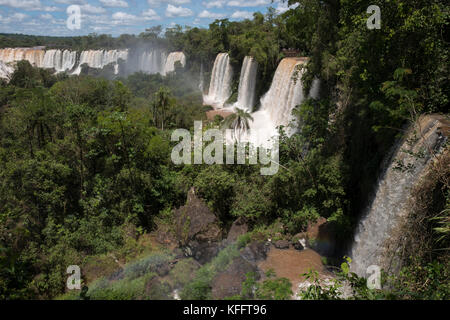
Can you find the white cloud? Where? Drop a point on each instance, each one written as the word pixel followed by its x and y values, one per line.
pixel 16 17
pixel 242 15
pixel 150 14
pixel 216 4
pixel 282 7
pixel 157 3
pixel 70 1
pixel 248 3
pixel 46 16
pixel 87 8
pixel 27 5
pixel 210 15
pixel 173 11
pixel 123 16
pixel 114 3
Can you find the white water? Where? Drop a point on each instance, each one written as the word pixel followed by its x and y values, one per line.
pixel 99 59
pixel 32 55
pixel 172 58
pixel 391 201
pixel 148 61
pixel 285 93
pixel 201 84
pixel 220 85
pixel 5 70
pixel 50 59
pixel 247 85
pixel 59 60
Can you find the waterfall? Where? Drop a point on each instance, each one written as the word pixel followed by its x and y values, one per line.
pixel 247 84
pixel 285 93
pixel 394 191
pixel 99 59
pixel 171 59
pixel 220 85
pixel 5 70
pixel 148 61
pixel 201 83
pixel 51 59
pixel 59 60
pixel 32 55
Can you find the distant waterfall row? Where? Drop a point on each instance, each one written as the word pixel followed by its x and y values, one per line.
pixel 148 61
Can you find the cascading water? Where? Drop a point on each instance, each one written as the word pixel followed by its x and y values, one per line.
pixel 149 61
pixel 285 93
pixel 394 191
pixel 247 84
pixel 5 70
pixel 220 85
pixel 172 58
pixel 98 59
pixel 201 83
pixel 32 55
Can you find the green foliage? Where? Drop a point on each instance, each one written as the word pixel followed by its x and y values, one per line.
pixel 200 287
pixel 270 289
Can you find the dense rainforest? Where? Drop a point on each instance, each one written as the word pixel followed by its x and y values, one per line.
pixel 86 173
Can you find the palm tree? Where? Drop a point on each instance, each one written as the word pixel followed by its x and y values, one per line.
pixel 162 101
pixel 239 122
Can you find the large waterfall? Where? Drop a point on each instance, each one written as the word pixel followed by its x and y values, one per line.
pixel 59 60
pixel 285 93
pixel 5 71
pixel 247 84
pixel 220 85
pixel 394 191
pixel 32 55
pixel 149 60
pixel 98 59
pixel 172 58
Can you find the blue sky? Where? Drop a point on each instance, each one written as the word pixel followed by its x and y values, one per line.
pixel 48 17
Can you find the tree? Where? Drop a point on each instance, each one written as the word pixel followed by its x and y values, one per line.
pixel 162 102
pixel 239 122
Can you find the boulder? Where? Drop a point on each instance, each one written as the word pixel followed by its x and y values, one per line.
pixel 203 252
pixel 238 228
pixel 197 229
pixel 255 251
pixel 229 283
pixel 282 244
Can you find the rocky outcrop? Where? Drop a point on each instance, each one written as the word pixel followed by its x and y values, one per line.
pixel 319 236
pixel 238 228
pixel 197 229
pixel 229 282
pixel 255 251
pixel 281 244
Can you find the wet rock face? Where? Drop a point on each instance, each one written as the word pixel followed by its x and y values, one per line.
pixel 229 282
pixel 238 228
